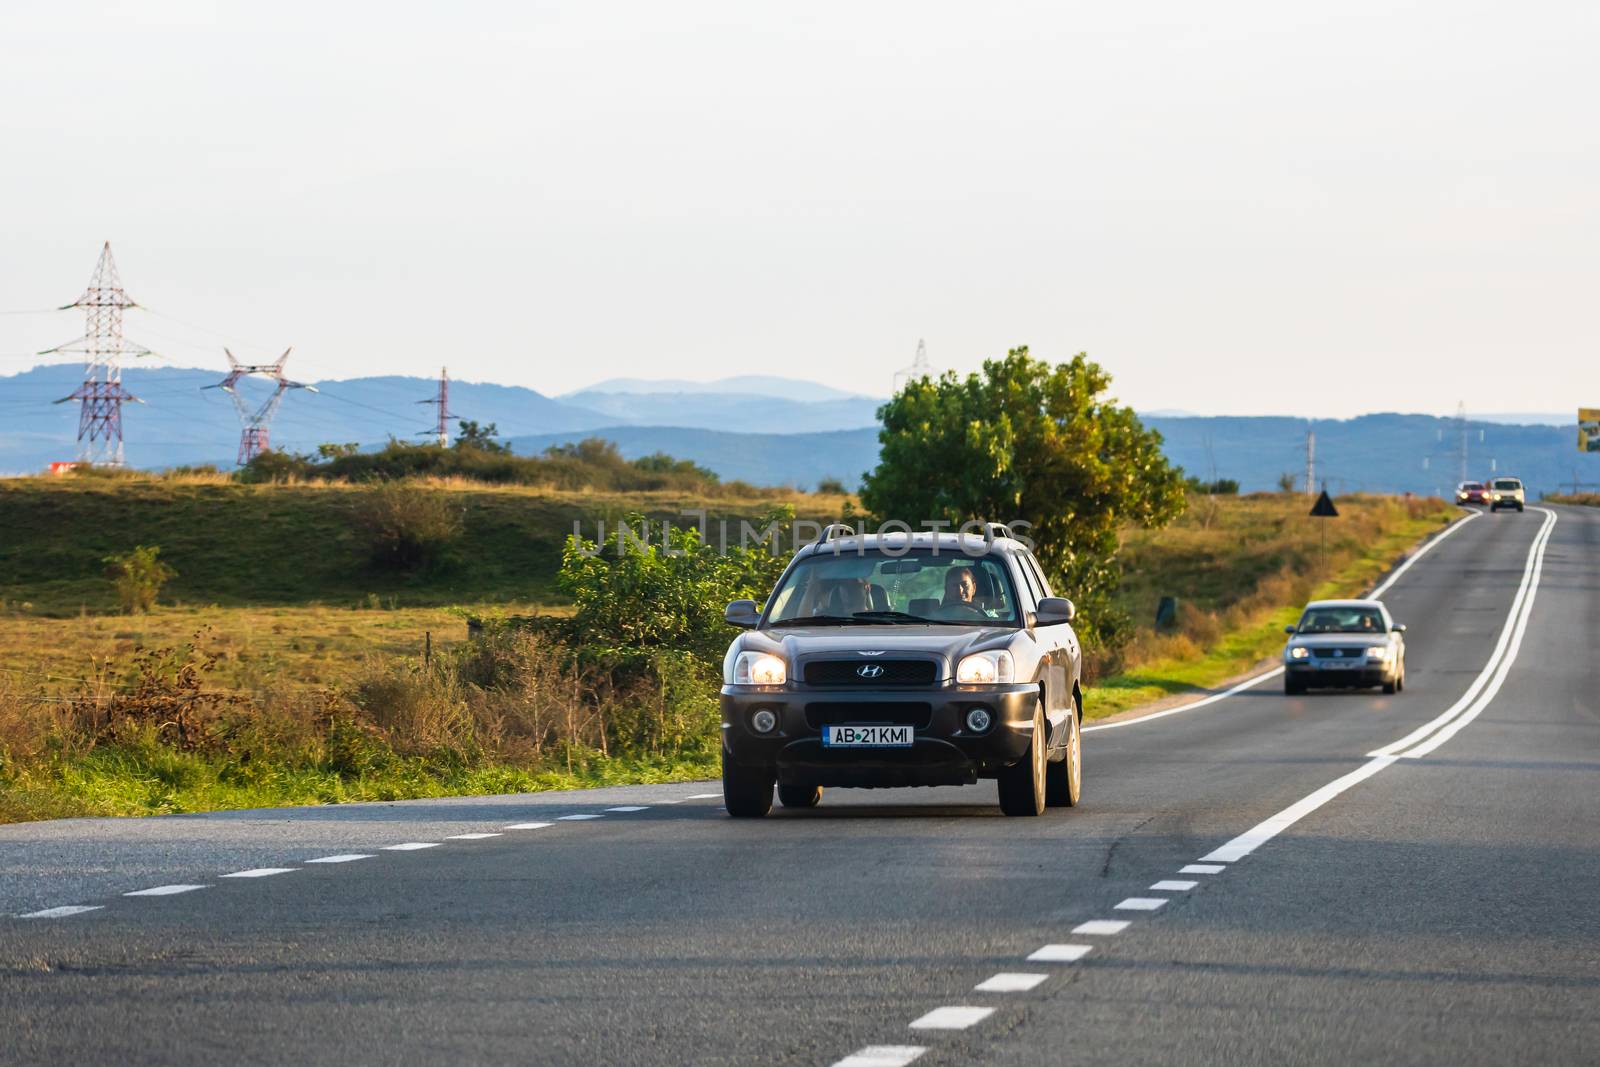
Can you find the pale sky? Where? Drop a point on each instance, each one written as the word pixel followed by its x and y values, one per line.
pixel 1238 208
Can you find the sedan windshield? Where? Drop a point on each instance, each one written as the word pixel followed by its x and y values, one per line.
pixel 1505 483
pixel 874 588
pixel 1342 621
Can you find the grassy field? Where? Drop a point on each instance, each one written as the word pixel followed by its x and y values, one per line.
pixel 293 623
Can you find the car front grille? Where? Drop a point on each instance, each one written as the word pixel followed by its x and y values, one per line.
pixel 1340 653
pixel 875 672
pixel 891 712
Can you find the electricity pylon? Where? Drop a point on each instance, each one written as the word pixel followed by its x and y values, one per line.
pixel 441 430
pixel 255 435
pixel 920 368
pixel 103 346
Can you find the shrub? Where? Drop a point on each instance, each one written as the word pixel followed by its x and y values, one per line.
pixel 831 486
pixel 138 577
pixel 408 529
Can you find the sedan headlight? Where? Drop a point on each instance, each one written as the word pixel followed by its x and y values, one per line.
pixel 986 668
pixel 759 668
pixel 1378 652
pixel 1299 652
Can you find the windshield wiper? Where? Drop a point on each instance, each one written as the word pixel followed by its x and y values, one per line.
pixel 885 615
pixel 819 620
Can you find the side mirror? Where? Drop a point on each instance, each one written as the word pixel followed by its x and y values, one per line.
pixel 1053 611
pixel 1399 627
pixel 743 613
pixel 1289 629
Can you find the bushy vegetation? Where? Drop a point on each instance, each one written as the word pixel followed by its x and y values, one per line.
pixel 138 577
pixel 592 464
pixel 409 529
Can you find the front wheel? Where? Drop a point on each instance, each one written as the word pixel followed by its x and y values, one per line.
pixel 1022 783
pixel 746 793
pixel 1293 686
pixel 799 796
pixel 1063 781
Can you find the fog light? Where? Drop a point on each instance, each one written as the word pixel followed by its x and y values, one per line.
pixel 763 721
pixel 979 719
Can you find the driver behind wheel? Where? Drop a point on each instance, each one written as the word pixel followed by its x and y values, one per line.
pixel 960 592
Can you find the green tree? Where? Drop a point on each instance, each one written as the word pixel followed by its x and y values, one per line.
pixel 1027 440
pixel 482 438
pixel 138 577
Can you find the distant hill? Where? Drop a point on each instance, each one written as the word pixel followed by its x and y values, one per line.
pixel 733 412
pixel 744 384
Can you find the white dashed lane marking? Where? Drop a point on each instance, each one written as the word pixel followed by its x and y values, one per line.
pixel 343 857
pixel 469 837
pixel 1202 868
pixel 1141 903
pixel 631 807
pixel 528 826
pixel 261 872
pixel 704 796
pixel 578 818
pixel 410 846
pixel 882 1056
pixel 1009 982
pixel 62 912
pixel 164 891
pixel 952 1018
pixel 1101 926
pixel 1173 885
pixel 1060 953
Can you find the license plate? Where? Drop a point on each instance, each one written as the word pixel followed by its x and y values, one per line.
pixel 866 736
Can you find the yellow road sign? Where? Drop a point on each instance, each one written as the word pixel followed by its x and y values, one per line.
pixel 1589 429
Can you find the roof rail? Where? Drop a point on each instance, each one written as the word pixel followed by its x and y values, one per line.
pixel 997 531
pixel 832 530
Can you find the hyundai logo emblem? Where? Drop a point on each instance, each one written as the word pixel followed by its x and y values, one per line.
pixel 1336 653
pixel 870 670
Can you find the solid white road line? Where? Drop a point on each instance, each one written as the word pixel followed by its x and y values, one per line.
pixel 470 837
pixel 1423 551
pixel 952 1018
pixel 261 872
pixel 1060 953
pixel 1101 926
pixel 1009 982
pixel 410 846
pixel 1499 663
pixel 1141 903
pixel 61 912
pixel 704 796
pixel 1522 600
pixel 577 818
pixel 1202 868
pixel 1212 699
pixel 528 825
pixel 631 807
pixel 1173 885
pixel 164 890
pixel 882 1056
pixel 343 857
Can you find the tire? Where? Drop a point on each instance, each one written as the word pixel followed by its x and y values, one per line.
pixel 1293 687
pixel 799 796
pixel 1063 780
pixel 1391 688
pixel 746 793
pixel 1022 783
pixel 1519 509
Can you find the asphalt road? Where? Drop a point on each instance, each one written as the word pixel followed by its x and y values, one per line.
pixel 1433 903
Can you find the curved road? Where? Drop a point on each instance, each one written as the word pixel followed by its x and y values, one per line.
pixel 1345 898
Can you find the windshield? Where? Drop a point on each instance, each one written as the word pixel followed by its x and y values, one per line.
pixel 1342 621
pixel 917 587
pixel 1508 483
pixel 1471 485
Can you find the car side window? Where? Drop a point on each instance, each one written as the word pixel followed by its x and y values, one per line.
pixel 1030 578
pixel 1032 565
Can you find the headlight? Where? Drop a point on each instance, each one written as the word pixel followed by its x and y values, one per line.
pixel 986 668
pixel 1378 652
pixel 1299 652
pixel 759 668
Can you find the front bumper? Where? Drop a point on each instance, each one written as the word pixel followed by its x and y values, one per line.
pixel 1351 677
pixel 943 750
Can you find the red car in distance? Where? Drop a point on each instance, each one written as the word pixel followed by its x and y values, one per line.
pixel 1472 493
